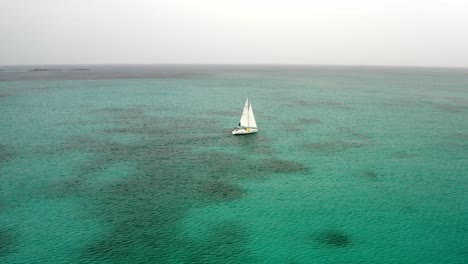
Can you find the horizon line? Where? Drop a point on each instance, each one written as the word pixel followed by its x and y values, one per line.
pixel 242 64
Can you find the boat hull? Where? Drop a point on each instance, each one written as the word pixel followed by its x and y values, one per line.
pixel 244 131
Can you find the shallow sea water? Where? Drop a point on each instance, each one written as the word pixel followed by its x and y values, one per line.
pixel 136 164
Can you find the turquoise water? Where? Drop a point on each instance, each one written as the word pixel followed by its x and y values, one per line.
pixel 136 164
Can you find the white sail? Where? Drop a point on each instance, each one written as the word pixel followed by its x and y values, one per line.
pixel 244 121
pixel 251 119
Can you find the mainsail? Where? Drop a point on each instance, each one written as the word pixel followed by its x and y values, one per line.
pixel 247 118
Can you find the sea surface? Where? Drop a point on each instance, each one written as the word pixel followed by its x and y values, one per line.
pixel 136 164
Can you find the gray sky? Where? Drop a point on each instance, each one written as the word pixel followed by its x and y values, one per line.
pixel 357 32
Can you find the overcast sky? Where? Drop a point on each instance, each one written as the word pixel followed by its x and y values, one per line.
pixel 349 32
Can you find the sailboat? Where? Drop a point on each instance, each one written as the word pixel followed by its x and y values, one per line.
pixel 247 124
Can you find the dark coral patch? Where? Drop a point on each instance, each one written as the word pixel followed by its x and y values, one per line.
pixel 279 166
pixel 309 121
pixel 353 134
pixel 116 246
pixel 142 210
pixel 369 174
pixel 218 190
pixel 333 104
pixel 333 238
pixel 7 153
pixel 7 243
pixel 461 135
pixel 64 187
pixel 402 155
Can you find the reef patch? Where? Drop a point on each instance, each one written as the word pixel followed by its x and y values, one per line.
pixel 7 152
pixel 333 238
pixel 368 174
pixel 7 243
pixel 279 166
pixel 221 191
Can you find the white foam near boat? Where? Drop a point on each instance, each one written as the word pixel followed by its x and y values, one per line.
pixel 247 124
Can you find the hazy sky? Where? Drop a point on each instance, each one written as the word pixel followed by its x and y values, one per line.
pixel 359 32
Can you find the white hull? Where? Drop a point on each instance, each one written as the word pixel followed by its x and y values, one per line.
pixel 243 131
